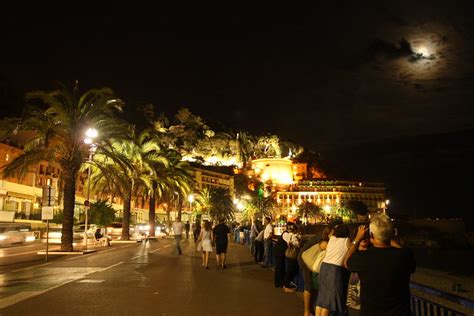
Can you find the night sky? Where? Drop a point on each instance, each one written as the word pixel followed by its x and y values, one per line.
pixel 383 91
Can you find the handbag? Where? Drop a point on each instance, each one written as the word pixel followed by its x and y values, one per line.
pixel 313 257
pixel 319 260
pixel 291 252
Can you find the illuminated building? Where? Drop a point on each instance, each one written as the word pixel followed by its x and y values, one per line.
pixel 330 195
pixel 276 171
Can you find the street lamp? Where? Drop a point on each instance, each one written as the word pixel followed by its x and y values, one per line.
pixel 190 200
pixel 387 202
pixel 91 134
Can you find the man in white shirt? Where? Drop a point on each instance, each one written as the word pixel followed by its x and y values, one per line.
pixel 178 227
pixel 267 242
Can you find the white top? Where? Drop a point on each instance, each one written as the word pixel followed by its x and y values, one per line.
pixel 336 251
pixel 291 239
pixel 178 228
pixel 268 231
pixel 253 230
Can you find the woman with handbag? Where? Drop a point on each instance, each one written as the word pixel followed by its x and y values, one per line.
pixel 205 241
pixel 332 293
pixel 312 249
pixel 292 239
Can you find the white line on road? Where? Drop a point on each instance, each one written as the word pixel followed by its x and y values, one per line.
pixel 112 266
pixel 19 254
pixel 28 268
pixel 153 251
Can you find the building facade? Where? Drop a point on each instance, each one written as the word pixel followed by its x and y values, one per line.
pixel 330 195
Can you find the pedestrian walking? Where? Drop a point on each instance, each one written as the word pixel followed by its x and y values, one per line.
pixel 221 234
pixel 204 243
pixel 187 228
pixel 178 232
pixel 196 231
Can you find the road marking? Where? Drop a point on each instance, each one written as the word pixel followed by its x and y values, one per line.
pixel 21 296
pixel 112 266
pixel 28 268
pixel 19 254
pixel 91 281
pixel 153 251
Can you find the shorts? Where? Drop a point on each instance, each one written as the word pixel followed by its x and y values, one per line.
pixel 221 248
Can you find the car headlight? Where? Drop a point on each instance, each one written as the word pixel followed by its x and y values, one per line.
pixel 3 237
pixel 30 238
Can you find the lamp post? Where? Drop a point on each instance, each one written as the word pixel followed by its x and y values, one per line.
pixel 190 200
pixel 387 202
pixel 91 134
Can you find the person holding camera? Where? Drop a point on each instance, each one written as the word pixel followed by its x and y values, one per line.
pixel 384 270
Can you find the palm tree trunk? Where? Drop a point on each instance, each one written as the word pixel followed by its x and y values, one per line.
pixel 127 204
pixel 151 213
pixel 69 177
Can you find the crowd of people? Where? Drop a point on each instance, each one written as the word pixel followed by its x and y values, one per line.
pixel 366 274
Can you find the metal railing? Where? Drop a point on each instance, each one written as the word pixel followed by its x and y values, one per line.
pixel 421 306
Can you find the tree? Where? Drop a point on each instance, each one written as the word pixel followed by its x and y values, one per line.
pixel 216 202
pixel 222 204
pixel 125 167
pixel 57 121
pixel 308 210
pixel 101 213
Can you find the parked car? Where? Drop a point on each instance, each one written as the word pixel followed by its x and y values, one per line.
pixel 15 233
pixel 160 230
pixel 55 235
pixel 114 231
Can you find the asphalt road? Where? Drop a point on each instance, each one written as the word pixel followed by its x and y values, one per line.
pixel 147 278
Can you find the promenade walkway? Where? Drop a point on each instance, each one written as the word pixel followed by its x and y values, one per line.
pixel 151 279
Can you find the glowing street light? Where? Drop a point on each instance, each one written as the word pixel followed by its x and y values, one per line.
pixel 327 208
pixel 387 202
pixel 91 134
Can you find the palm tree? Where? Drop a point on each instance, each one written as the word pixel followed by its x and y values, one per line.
pixel 222 204
pixel 204 202
pixel 308 210
pixel 126 167
pixel 58 120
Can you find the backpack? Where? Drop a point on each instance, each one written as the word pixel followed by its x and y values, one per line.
pixel 280 246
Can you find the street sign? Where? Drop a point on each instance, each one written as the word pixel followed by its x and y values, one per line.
pixel 49 195
pixel 47 213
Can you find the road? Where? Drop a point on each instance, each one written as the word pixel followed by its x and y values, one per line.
pixel 147 278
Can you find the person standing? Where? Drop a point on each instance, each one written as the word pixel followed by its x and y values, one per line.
pixel 178 232
pixel 384 270
pixel 259 250
pixel 253 234
pixel 292 240
pixel 221 234
pixel 267 242
pixel 332 277
pixel 186 228
pixel 205 242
